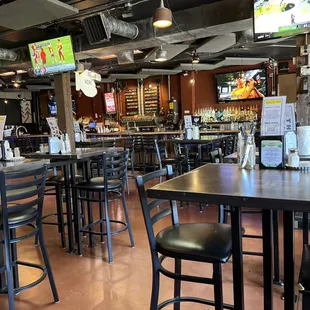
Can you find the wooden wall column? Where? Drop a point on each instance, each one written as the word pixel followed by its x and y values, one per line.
pixel 64 105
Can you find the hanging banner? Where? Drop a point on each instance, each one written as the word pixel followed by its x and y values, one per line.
pixel 109 103
pixel 85 83
pixel 2 124
pixel 273 116
pixel 25 110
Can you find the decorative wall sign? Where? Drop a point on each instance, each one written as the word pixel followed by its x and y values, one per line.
pixel 109 103
pixel 25 110
pixel 85 83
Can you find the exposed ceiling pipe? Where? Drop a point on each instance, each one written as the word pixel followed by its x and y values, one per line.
pixel 122 28
pixel 10 55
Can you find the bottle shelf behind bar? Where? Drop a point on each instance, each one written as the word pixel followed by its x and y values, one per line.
pixel 131 100
pixel 151 100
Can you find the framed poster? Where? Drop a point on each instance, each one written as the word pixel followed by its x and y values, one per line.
pixel 109 103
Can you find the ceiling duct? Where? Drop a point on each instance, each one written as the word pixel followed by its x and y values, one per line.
pixel 98 28
pixel 10 55
pixel 125 58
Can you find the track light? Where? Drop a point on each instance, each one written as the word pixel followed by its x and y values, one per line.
pixel 161 55
pixel 162 17
pixel 195 58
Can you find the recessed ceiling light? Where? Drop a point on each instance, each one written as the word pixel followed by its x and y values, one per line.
pixel 162 17
pixel 161 55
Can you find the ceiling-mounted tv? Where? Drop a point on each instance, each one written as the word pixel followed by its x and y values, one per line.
pixel 52 56
pixel 277 18
pixel 241 85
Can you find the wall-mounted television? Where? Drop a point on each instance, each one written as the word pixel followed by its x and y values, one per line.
pixel 52 106
pixel 277 18
pixel 52 56
pixel 241 85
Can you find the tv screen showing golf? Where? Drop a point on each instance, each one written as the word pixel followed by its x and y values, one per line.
pixel 52 56
pixel 280 18
pixel 241 85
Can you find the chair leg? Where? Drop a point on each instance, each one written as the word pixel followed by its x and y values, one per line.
pixel 79 214
pixel 127 219
pixel 155 289
pixel 127 182
pixel 14 258
pixel 90 220
pixel 60 215
pixel 9 273
pixel 2 275
pixel 221 212
pixel 218 286
pixel 177 283
pixel 109 240
pixel 101 217
pixel 47 264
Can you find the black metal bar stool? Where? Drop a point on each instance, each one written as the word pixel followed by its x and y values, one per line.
pixel 195 242
pixel 22 195
pixel 130 146
pixel 109 186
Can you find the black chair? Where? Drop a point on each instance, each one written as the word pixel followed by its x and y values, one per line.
pixel 149 152
pixel 304 278
pixel 164 160
pixel 216 156
pixel 110 183
pixel 96 162
pixel 138 148
pixel 201 242
pixel 22 195
pixel 130 146
pixel 55 185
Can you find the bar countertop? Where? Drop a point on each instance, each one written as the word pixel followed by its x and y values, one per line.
pixel 79 153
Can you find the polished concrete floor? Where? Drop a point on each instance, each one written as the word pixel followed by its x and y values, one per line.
pixel 90 282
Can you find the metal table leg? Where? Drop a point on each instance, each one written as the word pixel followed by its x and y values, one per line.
pixel 68 208
pixel 236 230
pixel 305 228
pixel 289 287
pixel 74 201
pixel 276 260
pixel 267 259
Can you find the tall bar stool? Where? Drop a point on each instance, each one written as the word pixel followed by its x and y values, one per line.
pixel 110 183
pixel 196 242
pixel 138 148
pixel 22 195
pixel 149 152
pixel 130 146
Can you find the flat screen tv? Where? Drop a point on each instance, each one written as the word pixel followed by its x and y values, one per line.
pixel 241 85
pixel 52 56
pixel 277 18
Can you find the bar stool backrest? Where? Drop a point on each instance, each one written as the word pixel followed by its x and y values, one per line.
pixel 148 143
pixel 216 156
pixel 22 190
pixel 138 144
pixel 114 166
pixel 166 207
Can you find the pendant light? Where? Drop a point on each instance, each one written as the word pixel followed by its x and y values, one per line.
pixel 161 55
pixel 162 17
pixel 195 58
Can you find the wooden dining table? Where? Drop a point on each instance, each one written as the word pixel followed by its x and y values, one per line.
pixel 68 163
pixel 269 190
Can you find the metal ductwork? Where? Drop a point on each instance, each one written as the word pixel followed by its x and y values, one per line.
pixel 98 28
pixel 10 55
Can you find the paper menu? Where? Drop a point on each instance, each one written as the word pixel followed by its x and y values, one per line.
pixel 53 124
pixel 290 122
pixel 273 116
pixel 2 124
pixel 188 121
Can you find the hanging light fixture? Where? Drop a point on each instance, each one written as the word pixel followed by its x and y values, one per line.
pixel 162 17
pixel 5 101
pixel 195 58
pixel 161 55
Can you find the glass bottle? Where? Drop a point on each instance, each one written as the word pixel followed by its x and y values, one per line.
pixel 293 158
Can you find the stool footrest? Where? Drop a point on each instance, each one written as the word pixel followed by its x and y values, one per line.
pixel 91 225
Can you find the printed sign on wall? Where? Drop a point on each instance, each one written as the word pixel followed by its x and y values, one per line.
pixel 25 110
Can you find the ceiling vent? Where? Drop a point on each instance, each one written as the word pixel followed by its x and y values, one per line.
pixel 125 58
pixel 99 28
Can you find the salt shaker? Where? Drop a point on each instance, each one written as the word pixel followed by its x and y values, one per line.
pixel 293 158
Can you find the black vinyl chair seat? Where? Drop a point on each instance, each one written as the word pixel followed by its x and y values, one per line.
pixel 20 217
pixel 98 184
pixel 60 179
pixel 171 161
pixel 203 242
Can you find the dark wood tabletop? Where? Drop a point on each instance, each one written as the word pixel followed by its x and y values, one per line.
pixel 79 153
pixel 10 166
pixel 227 184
